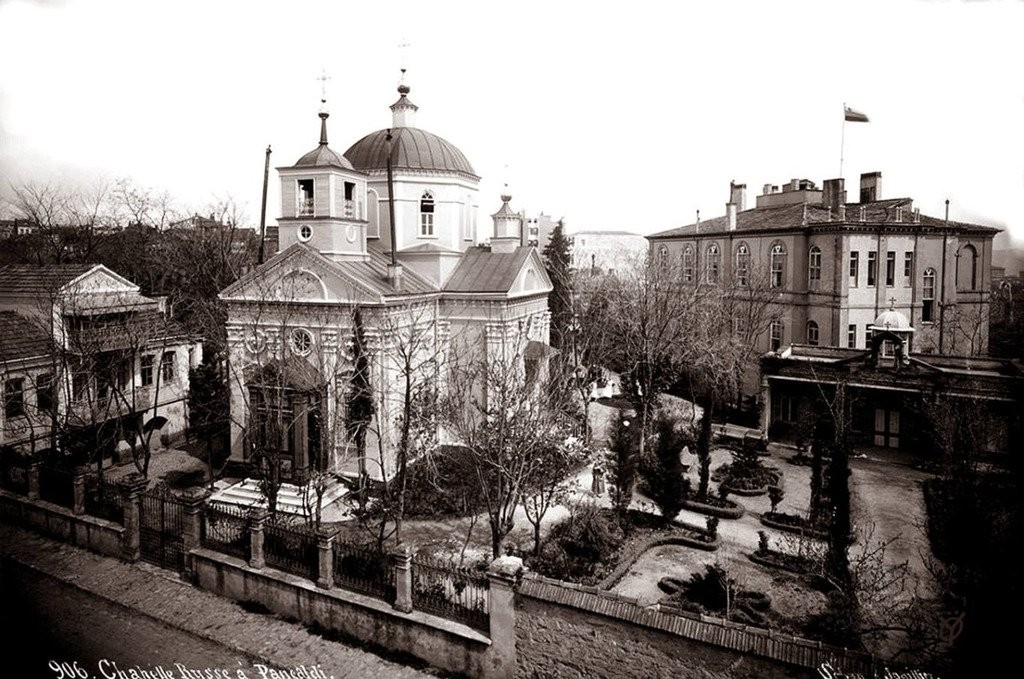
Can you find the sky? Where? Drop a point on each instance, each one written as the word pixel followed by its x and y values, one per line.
pixel 609 115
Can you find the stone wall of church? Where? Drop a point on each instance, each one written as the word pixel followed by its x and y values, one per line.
pixel 455 209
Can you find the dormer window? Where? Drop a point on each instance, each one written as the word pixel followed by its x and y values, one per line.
pixel 305 198
pixel 427 214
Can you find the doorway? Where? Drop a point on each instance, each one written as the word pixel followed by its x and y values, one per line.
pixel 887 428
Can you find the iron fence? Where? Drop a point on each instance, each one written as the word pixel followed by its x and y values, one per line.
pixel 56 485
pixel 454 593
pixel 13 476
pixel 226 530
pixel 103 499
pixel 365 570
pixel 291 548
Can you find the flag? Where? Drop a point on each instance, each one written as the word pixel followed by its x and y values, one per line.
pixel 854 116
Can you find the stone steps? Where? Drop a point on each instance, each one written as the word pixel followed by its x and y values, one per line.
pixel 246 493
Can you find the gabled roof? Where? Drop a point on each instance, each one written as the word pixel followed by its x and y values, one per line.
pixel 880 212
pixel 484 271
pixel 20 338
pixel 28 279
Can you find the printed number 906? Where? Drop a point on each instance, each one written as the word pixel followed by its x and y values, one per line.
pixel 68 670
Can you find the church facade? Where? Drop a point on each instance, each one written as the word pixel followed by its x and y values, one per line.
pixel 377 266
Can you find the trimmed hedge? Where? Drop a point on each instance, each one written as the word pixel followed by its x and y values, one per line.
pixel 733 512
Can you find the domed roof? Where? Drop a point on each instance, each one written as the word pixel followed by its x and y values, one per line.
pixel 414 149
pixel 893 321
pixel 323 156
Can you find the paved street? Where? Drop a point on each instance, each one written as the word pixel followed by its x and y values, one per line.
pixel 88 607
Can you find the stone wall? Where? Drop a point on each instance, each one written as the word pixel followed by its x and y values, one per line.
pixel 570 632
pixel 81 530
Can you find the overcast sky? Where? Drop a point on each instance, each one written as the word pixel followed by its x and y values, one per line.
pixel 625 115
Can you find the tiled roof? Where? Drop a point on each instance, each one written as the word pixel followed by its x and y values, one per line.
pixel 20 338
pixel 484 271
pixel 373 274
pixel 792 216
pixel 27 279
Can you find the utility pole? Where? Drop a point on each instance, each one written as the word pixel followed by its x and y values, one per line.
pixel 263 208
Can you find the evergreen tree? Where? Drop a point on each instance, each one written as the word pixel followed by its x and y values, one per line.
pixel 208 407
pixel 622 460
pixel 557 261
pixel 360 407
pixel 661 470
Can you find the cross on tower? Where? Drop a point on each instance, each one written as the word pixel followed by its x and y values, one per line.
pixel 323 85
pixel 892 302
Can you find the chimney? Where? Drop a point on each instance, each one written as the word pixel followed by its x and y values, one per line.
pixel 696 226
pixel 917 215
pixel 730 213
pixel 794 185
pixel 870 187
pixel 395 276
pixel 767 190
pixel 863 213
pixel 738 195
pixel 832 194
pixel 899 213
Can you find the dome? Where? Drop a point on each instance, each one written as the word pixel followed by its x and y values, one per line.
pixel 322 156
pixel 893 321
pixel 415 149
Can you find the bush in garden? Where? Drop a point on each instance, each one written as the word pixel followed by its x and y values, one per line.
pixel 663 478
pixel 762 542
pixel 712 527
pixel 775 495
pixel 577 544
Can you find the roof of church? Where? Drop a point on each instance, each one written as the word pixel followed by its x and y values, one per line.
pixel 324 156
pixel 792 216
pixel 484 271
pixel 414 149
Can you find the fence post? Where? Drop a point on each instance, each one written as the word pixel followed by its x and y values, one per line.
pixel 131 487
pixel 504 574
pixel 258 517
pixel 78 482
pixel 325 560
pixel 192 504
pixel 33 479
pixel 403 579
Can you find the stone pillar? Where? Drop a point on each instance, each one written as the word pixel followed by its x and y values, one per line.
pixel 192 530
pixel 78 483
pixel 33 479
pixel 257 518
pixel 325 564
pixel 403 579
pixel 131 487
pixel 504 574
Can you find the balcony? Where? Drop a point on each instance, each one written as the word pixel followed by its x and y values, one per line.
pixel 305 208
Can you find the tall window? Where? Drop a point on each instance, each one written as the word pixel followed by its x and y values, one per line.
pixel 714 265
pixel 146 370
pixel 305 198
pixel 908 268
pixel 742 264
pixel 427 214
pixel 928 296
pixel 867 335
pixel 967 268
pixel 688 264
pixel 890 269
pixel 814 268
pixel 14 398
pixel 854 268
pixel 775 333
pixel 778 265
pixel 812 333
pixel 872 268
pixel 663 257
pixel 44 393
pixel 851 336
pixel 167 366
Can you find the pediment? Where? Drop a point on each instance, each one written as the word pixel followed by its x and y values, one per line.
pixel 532 278
pixel 100 279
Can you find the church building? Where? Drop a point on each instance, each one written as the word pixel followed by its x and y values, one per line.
pixel 383 237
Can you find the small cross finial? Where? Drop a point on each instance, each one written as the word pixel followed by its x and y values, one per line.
pixel 403 56
pixel 892 304
pixel 323 86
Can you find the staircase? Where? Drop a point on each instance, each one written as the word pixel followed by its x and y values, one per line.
pixel 246 493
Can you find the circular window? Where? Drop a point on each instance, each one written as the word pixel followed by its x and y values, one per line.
pixel 302 341
pixel 305 232
pixel 256 341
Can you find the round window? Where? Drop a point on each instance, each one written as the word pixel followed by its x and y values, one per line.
pixel 302 341
pixel 305 232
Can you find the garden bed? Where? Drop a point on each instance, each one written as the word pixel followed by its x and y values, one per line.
pixel 682 534
pixel 715 506
pixel 788 562
pixel 792 523
pixel 806 460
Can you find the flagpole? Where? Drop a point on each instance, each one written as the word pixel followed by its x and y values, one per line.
pixel 842 141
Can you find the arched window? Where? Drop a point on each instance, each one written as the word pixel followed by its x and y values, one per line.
pixel 775 333
pixel 714 264
pixel 372 214
pixel 778 265
pixel 928 296
pixel 663 257
pixel 812 333
pixel 427 214
pixel 814 268
pixel 742 265
pixel 967 268
pixel 688 264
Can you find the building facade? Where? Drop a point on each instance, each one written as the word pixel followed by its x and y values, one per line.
pixel 85 356
pixel 416 288
pixel 606 251
pixel 831 267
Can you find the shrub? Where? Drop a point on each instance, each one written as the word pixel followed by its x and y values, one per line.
pixel 709 589
pixel 762 542
pixel 775 495
pixel 712 526
pixel 578 544
pixel 661 471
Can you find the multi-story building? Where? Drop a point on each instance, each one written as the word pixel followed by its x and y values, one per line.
pixel 606 251
pixel 85 356
pixel 537 230
pixel 831 267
